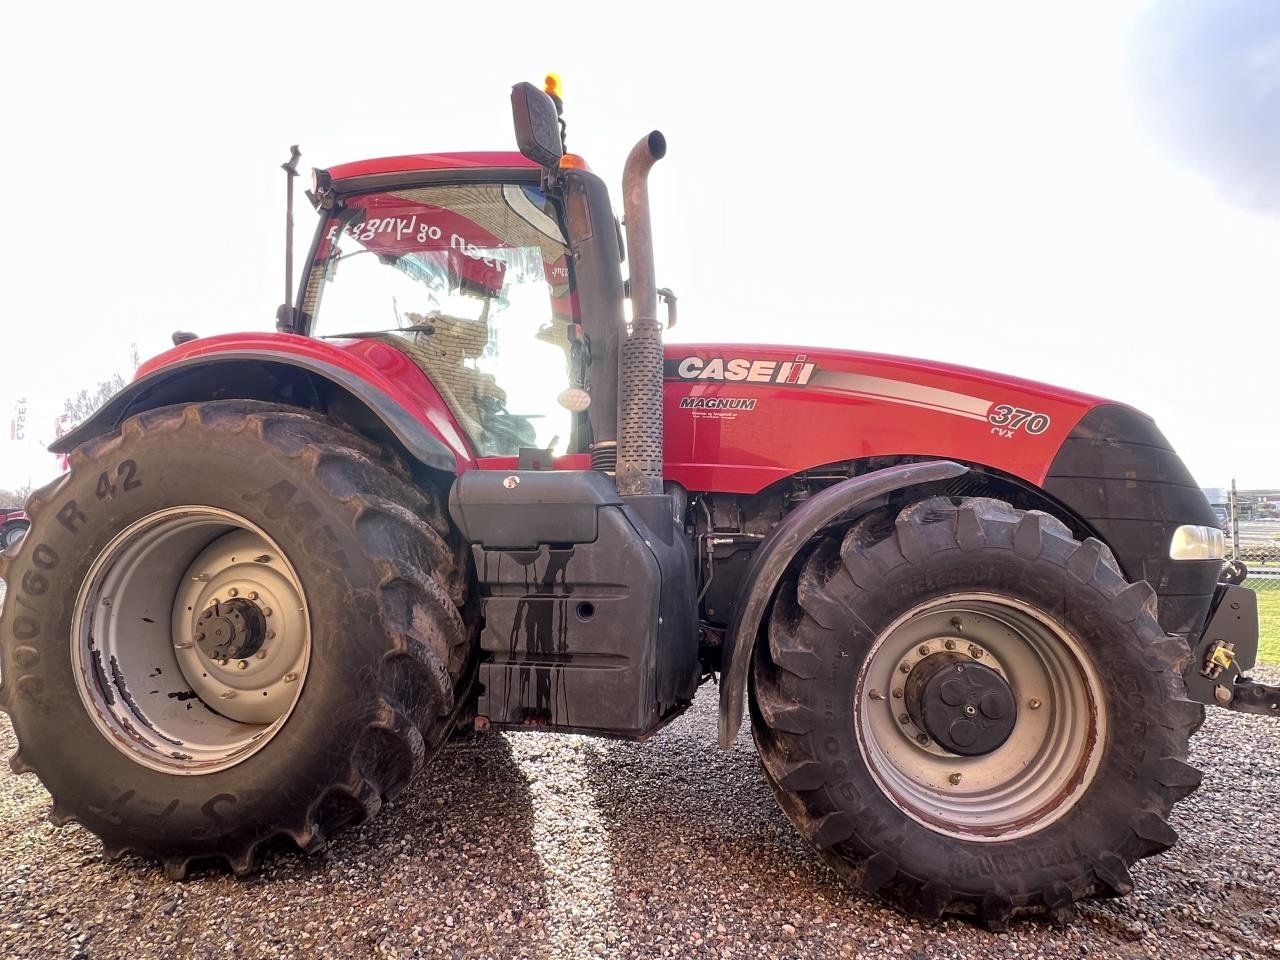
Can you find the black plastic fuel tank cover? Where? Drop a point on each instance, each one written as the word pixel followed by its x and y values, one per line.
pixel 520 509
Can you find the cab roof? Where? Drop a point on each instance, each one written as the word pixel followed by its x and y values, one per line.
pixel 420 162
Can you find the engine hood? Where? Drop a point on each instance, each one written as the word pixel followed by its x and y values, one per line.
pixel 741 416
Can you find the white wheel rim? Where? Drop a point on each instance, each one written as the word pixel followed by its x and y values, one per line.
pixel 1049 759
pixel 159 696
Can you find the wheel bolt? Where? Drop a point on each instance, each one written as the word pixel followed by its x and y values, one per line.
pixel 949 644
pixel 253 594
pixel 954 779
pixel 876 695
pixel 261 654
pixel 242 665
pixel 976 652
pixel 266 611
pixel 214 602
pixel 1034 703
pixel 903 719
pixel 924 651
pixel 922 739
pixel 233 592
pixel 271 634
pixel 897 693
pixel 904 667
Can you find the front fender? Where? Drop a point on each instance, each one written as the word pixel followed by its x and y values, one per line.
pixel 370 385
pixel 776 554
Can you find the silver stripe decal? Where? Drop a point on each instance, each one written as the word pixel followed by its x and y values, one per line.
pixel 904 392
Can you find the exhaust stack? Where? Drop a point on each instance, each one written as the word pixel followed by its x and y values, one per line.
pixel 639 470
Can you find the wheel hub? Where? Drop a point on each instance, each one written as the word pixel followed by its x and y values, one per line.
pixel 192 638
pixel 966 708
pixel 233 629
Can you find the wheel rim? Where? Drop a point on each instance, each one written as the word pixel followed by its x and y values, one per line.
pixel 191 640
pixel 1048 759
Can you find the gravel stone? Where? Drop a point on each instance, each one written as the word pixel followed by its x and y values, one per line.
pixel 537 846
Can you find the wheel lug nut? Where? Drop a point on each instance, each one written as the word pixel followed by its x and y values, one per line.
pixel 253 594
pixel 922 738
pixel 950 644
pixel 242 665
pixel 897 693
pixel 876 695
pixel 271 634
pixel 233 592
pixel 976 652
pixel 904 667
pixel 261 654
pixel 924 651
pixel 954 779
pixel 1034 703
pixel 266 611
pixel 903 719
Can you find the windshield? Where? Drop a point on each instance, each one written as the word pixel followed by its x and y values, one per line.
pixel 472 282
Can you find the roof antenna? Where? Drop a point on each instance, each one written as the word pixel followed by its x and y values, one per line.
pixel 284 316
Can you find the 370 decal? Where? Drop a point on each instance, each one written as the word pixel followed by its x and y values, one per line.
pixel 1007 420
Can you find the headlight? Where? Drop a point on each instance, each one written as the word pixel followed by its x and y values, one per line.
pixel 1198 543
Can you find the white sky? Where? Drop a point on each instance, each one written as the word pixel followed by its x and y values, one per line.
pixel 966 182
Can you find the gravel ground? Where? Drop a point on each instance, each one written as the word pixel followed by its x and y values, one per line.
pixel 558 847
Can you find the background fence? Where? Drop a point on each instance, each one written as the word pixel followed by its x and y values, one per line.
pixel 1256 543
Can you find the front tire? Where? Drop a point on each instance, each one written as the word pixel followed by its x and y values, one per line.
pixel 964 710
pixel 230 622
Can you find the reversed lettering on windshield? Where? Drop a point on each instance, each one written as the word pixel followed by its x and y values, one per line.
pixel 791 373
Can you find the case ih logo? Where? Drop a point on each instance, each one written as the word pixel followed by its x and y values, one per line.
pixel 793 373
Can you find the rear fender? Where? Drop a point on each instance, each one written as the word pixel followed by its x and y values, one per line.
pixel 367 385
pixel 776 553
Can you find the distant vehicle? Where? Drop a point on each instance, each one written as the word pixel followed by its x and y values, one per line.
pixel 13 527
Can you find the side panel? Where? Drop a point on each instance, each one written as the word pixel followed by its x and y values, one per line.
pixel 738 418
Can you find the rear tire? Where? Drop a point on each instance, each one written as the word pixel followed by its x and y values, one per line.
pixel 1095 756
pixel 378 648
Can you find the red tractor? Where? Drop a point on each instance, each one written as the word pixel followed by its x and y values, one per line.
pixel 13 526
pixel 972 619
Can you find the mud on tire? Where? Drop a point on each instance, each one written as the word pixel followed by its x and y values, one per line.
pixel 849 592
pixel 383 579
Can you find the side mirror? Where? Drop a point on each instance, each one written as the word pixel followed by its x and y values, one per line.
pixel 537 125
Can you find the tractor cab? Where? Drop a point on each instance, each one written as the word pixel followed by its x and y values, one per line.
pixel 470 280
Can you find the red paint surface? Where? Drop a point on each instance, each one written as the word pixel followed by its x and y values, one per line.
pixel 498 159
pixel 798 428
pixel 790 428
pixel 378 364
